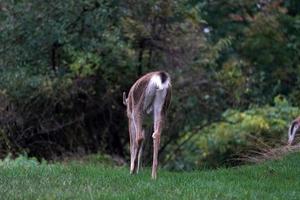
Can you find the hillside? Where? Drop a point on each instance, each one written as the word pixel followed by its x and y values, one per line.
pixel 27 179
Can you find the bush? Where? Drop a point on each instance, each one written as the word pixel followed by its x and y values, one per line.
pixel 237 133
pixel 47 116
pixel 21 161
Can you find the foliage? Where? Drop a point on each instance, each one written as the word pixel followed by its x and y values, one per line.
pixel 20 161
pixel 65 64
pixel 40 109
pixel 223 142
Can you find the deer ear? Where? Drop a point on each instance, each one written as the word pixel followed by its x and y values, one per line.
pixel 124 99
pixel 296 126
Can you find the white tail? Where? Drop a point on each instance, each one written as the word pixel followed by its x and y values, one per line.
pixel 293 130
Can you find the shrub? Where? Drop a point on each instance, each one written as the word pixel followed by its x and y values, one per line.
pixel 238 132
pixel 47 116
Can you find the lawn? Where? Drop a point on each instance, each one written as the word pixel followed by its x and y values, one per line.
pixel 28 179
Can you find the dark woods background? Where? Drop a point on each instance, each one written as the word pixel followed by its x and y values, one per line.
pixel 64 65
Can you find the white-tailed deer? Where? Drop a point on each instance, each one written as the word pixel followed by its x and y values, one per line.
pixel 151 94
pixel 293 130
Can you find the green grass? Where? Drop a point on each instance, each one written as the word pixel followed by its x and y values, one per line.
pixel 26 179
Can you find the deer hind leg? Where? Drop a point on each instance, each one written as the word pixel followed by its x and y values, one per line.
pixel 140 151
pixel 137 141
pixel 156 142
pixel 133 148
pixel 158 124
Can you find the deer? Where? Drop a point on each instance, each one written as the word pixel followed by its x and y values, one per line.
pixel 149 95
pixel 293 130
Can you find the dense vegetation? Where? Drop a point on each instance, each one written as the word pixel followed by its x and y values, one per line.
pixel 64 65
pixel 27 179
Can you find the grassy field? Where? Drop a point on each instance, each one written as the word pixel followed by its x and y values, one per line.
pixel 27 179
